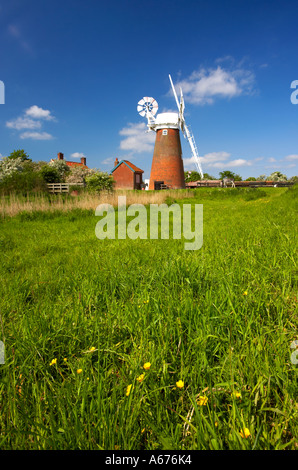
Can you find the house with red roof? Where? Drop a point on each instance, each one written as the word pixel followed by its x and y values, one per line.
pixel 72 164
pixel 127 175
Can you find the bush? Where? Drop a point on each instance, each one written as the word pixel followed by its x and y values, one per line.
pixel 22 183
pixel 98 182
pixel 78 174
pixel 50 174
pixel 61 167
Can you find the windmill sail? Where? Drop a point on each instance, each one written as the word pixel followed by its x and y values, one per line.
pixel 185 130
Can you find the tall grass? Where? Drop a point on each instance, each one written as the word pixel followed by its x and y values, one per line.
pixel 15 203
pixel 80 317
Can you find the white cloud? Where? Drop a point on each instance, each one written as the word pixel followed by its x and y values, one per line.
pixel 136 139
pixel 205 85
pixel 239 162
pixel 220 160
pixel 215 157
pixel 36 136
pixel 38 113
pixel 271 160
pixel 31 120
pixel 15 32
pixel 23 123
pixel 291 157
pixel 108 161
pixel 77 155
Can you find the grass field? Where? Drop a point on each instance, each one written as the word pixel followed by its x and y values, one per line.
pixel 80 317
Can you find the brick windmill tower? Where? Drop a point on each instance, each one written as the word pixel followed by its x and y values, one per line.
pixel 167 169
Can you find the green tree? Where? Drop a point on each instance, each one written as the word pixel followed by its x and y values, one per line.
pixel 191 176
pixel 277 176
pixel 229 174
pixel 50 174
pixel 208 177
pixel 61 167
pixel 294 179
pixel 21 154
pixel 251 178
pixel 99 181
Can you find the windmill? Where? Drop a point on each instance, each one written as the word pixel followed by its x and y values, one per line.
pixel 185 130
pixel 167 165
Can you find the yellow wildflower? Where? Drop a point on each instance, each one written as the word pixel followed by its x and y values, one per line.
pixel 128 389
pixel 180 384
pixel 53 361
pixel 65 359
pixel 202 401
pixel 140 378
pixel 245 293
pixel 237 395
pixel 79 371
pixel 147 365
pixel 245 433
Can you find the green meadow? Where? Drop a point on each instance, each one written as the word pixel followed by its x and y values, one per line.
pixel 80 317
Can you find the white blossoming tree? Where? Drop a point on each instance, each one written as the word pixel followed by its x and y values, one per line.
pixel 61 167
pixel 277 176
pixel 9 166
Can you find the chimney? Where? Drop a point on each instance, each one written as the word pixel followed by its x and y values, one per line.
pixel 116 162
pixel 83 161
pixel 60 156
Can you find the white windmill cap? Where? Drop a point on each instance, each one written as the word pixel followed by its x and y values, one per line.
pixel 167 120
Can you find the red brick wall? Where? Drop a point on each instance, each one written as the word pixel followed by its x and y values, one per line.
pixel 124 177
pixel 167 163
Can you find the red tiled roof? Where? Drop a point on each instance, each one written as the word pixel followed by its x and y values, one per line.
pixel 134 167
pixel 76 164
pixel 130 165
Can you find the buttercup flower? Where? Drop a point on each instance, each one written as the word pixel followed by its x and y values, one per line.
pixel 79 371
pixel 53 361
pixel 180 384
pixel 140 378
pixel 245 433
pixel 237 395
pixel 202 401
pixel 147 365
pixel 128 389
pixel 245 293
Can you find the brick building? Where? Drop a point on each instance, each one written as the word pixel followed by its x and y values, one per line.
pixel 72 164
pixel 167 168
pixel 126 175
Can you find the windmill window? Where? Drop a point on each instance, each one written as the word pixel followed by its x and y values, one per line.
pixel 165 132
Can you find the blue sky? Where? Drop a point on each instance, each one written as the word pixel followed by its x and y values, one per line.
pixel 75 70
